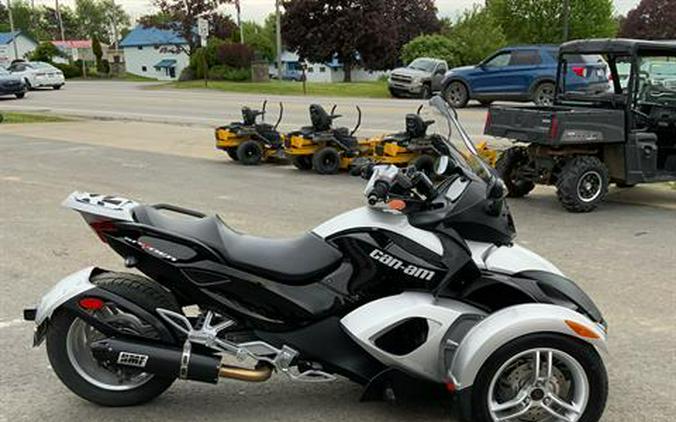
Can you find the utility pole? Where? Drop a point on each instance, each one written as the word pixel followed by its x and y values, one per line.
pixel 278 35
pixel 58 17
pixel 566 19
pixel 239 22
pixel 11 28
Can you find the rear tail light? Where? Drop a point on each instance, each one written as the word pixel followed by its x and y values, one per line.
pixel 91 303
pixel 579 71
pixel 489 121
pixel 554 128
pixel 101 227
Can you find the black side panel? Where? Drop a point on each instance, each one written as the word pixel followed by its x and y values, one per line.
pixel 327 343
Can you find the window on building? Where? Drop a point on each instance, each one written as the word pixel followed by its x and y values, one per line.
pixel 322 69
pixel 140 47
pixel 310 69
pixel 144 69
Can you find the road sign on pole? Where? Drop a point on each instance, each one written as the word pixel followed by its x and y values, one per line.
pixel 203 27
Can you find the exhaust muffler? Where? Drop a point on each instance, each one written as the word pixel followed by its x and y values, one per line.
pixel 173 362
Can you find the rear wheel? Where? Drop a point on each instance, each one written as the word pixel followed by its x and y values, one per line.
pixel 508 166
pixel 544 94
pixel 232 153
pixel 540 378
pixel 57 87
pixel 69 338
pixel 250 153
pixel 326 161
pixel 20 95
pixel 582 184
pixel 303 162
pixel 456 94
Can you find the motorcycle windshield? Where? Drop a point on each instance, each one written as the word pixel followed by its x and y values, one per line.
pixel 444 123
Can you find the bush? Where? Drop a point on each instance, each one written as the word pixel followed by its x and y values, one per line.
pixel 234 55
pixel 434 46
pixel 225 73
pixel 45 52
pixel 187 74
pixel 69 70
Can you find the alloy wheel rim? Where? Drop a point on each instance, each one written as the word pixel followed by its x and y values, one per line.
pixel 546 96
pixel 78 340
pixel 539 385
pixel 589 186
pixel 456 93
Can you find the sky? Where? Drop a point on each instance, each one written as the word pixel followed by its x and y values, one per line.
pixel 257 10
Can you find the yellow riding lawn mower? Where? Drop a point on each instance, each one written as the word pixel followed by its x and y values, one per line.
pixel 416 147
pixel 324 148
pixel 249 141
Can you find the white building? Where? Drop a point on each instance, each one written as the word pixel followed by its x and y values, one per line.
pixel 24 46
pixel 155 53
pixel 321 72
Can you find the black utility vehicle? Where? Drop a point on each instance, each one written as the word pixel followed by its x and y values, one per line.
pixel 591 136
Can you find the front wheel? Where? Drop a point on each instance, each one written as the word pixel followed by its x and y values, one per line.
pixel 250 153
pixel 540 378
pixel 20 95
pixel 69 339
pixel 326 161
pixel 57 87
pixel 232 153
pixel 426 92
pixel 303 162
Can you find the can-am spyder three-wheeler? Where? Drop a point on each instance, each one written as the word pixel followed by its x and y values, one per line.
pixel 425 284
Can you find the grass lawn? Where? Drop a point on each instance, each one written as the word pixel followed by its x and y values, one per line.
pixel 376 89
pixel 11 118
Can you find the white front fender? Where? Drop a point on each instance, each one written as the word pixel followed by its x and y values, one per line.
pixel 510 323
pixel 64 290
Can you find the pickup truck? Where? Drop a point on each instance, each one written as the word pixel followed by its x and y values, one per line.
pixel 594 134
pixel 421 78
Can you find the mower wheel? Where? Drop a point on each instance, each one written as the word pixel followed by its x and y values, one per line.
pixel 508 167
pixel 249 153
pixel 303 162
pixel 326 161
pixel 232 153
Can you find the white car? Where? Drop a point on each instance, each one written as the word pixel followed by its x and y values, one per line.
pixel 38 74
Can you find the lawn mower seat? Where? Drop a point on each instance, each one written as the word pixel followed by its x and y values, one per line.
pixel 416 127
pixel 249 116
pixel 321 120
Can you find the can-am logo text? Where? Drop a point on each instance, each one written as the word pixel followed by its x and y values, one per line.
pixel 398 264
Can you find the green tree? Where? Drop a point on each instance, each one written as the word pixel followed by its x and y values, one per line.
pixel 541 21
pixel 22 16
pixel 434 46
pixel 470 48
pixel 45 52
pixel 255 37
pixel 98 54
pixel 102 19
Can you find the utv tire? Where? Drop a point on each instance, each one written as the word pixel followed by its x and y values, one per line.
pixel 582 184
pixel 456 94
pixel 250 153
pixel 326 161
pixel 143 292
pixel 303 162
pixel 474 403
pixel 232 153
pixel 543 95
pixel 424 163
pixel 508 165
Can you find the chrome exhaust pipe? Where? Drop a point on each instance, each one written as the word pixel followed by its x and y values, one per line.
pixel 262 372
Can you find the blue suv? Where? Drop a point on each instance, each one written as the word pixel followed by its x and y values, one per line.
pixel 524 73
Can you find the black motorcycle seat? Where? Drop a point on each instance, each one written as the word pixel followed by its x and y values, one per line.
pixel 299 260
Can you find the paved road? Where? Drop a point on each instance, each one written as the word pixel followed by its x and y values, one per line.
pixel 623 255
pixel 126 100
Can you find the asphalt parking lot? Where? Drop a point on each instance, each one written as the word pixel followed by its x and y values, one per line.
pixel 623 255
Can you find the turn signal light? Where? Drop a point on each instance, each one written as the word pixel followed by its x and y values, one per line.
pixel 396 204
pixel 91 303
pixel 581 330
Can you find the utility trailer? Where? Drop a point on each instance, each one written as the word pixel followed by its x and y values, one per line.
pixel 624 133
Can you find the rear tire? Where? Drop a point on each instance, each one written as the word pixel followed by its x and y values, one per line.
pixel 20 95
pixel 543 95
pixel 57 87
pixel 303 162
pixel 582 184
pixel 508 165
pixel 326 161
pixel 476 404
pixel 143 292
pixel 250 153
